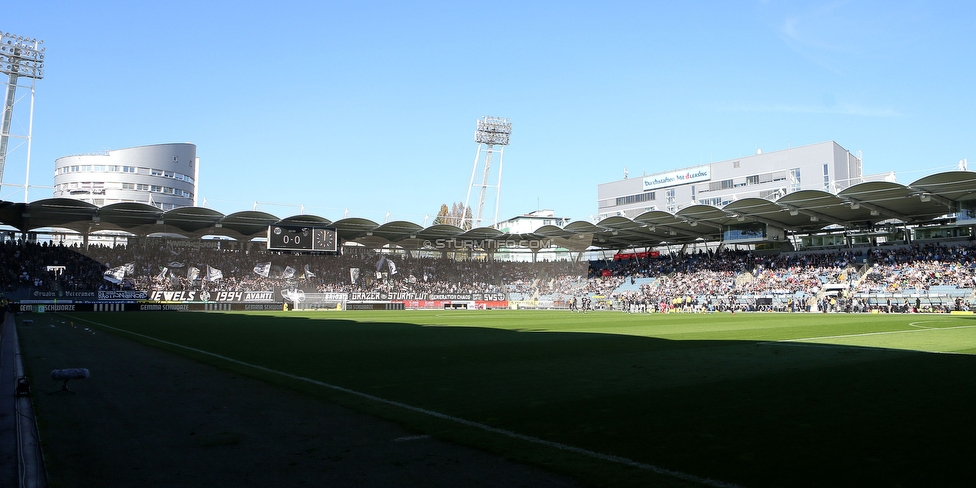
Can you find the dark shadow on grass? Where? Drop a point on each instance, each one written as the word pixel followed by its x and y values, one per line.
pixel 747 412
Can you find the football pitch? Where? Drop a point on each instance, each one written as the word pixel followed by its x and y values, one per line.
pixel 615 399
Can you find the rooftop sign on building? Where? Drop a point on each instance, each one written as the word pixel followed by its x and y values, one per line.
pixel 690 175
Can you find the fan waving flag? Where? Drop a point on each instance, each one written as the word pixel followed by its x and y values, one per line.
pixel 263 269
pixel 289 273
pixel 213 274
pixel 114 275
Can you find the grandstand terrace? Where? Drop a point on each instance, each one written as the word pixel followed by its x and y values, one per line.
pixel 875 246
pixel 919 278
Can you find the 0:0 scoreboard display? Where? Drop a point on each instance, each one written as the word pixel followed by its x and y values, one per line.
pixel 302 238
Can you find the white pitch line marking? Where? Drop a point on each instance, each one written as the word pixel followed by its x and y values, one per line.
pixel 487 428
pixel 865 334
pixel 919 326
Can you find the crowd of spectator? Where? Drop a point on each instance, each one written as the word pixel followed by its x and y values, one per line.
pixel 699 281
pixel 919 269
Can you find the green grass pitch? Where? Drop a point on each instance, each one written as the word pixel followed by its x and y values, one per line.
pixel 748 399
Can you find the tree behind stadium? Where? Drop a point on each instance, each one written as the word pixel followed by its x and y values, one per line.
pixel 457 216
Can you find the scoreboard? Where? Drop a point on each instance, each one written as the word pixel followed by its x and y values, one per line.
pixel 302 238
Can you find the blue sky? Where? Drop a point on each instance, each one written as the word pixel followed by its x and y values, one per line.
pixel 368 108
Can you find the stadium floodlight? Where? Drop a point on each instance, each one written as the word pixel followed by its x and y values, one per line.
pixel 20 57
pixel 490 132
pixel 493 130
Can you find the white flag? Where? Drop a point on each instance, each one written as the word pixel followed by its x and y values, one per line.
pixel 192 273
pixel 309 273
pixel 288 273
pixel 392 267
pixel 162 274
pixel 353 275
pixel 213 274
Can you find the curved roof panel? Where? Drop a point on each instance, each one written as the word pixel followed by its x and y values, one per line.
pixel 305 219
pixel 860 205
pixel 353 228
pixel 884 200
pixel 135 218
pixel 954 185
pixel 248 224
pixel 13 214
pixel 60 212
pixel 191 221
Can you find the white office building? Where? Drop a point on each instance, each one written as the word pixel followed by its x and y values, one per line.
pixel 528 223
pixel 770 175
pixel 162 175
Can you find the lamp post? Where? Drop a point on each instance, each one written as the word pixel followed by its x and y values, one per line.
pixel 491 132
pixel 20 57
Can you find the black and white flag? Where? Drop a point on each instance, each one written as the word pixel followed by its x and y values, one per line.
pixel 263 269
pixel 288 273
pixel 213 274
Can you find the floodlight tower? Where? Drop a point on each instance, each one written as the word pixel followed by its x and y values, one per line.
pixel 20 57
pixel 491 132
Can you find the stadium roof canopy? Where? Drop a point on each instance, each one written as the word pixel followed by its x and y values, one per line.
pixel 802 212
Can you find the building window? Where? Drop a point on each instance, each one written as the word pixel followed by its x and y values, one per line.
pixel 128 186
pixel 794 180
pixel 640 197
pixel 711 201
